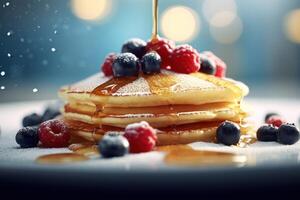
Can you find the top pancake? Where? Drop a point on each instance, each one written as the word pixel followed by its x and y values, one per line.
pixel 166 88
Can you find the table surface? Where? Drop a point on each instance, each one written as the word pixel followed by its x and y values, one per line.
pixel 260 154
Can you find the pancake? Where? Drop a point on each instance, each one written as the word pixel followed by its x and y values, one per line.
pixel 166 88
pixel 182 134
pixel 184 108
pixel 161 116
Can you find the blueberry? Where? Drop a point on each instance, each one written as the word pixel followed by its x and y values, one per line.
pixel 32 120
pixel 125 64
pixel 267 133
pixel 268 115
pixel 151 63
pixel 50 113
pixel 113 145
pixel 27 137
pixel 288 134
pixel 208 66
pixel 135 46
pixel 228 133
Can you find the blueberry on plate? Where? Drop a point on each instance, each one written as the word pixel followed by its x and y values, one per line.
pixel 50 113
pixel 135 46
pixel 125 65
pixel 228 133
pixel 151 63
pixel 207 66
pixel 27 137
pixel 32 120
pixel 267 133
pixel 113 145
pixel 288 134
pixel 268 115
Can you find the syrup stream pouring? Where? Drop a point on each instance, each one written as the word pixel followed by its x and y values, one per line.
pixel 155 19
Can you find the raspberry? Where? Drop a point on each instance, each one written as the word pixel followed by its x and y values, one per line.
pixel 53 134
pixel 185 59
pixel 221 66
pixel 141 137
pixel 107 65
pixel 164 48
pixel 276 120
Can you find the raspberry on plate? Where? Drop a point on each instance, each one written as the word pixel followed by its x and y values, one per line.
pixel 53 134
pixel 276 120
pixel 221 66
pixel 107 65
pixel 164 48
pixel 185 59
pixel 141 137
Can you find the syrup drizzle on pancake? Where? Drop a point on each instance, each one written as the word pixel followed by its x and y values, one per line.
pixel 112 86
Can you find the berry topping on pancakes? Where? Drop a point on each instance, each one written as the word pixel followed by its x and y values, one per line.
pixel 208 66
pixel 135 46
pixel 221 66
pixel 141 136
pixel 125 65
pixel 164 48
pixel 150 63
pixel 185 59
pixel 107 65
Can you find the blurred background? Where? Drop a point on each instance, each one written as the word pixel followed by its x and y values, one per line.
pixel 45 44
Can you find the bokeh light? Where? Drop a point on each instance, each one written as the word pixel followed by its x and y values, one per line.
pixel 227 34
pixel 180 23
pixel 219 12
pixel 91 10
pixel 292 26
pixel 223 18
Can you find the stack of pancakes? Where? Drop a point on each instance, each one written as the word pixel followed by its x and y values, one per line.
pixel 184 108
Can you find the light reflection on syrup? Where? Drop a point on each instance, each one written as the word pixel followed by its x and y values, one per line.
pixel 89 151
pixel 61 158
pixel 246 140
pixel 186 156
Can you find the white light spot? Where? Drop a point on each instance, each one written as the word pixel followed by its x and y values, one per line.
pixel 22 39
pixel 53 49
pixel 9 33
pixel 35 90
pixel 2 73
pixel 55 31
pixel 2 87
pixel 7 4
pixel 9 55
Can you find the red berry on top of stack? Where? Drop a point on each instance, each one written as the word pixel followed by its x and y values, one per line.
pixel 181 59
